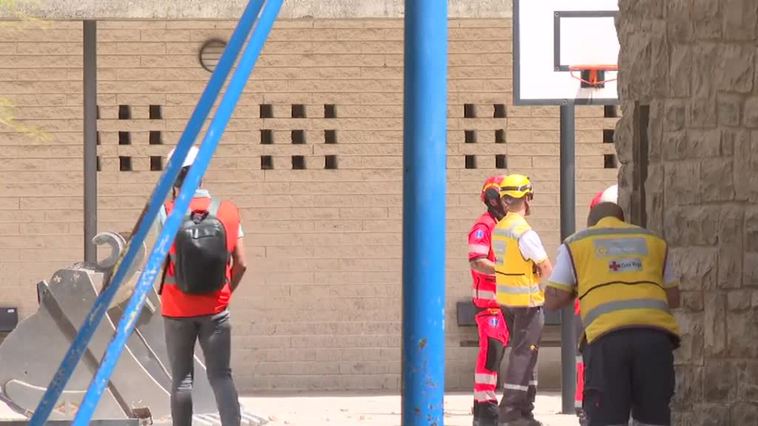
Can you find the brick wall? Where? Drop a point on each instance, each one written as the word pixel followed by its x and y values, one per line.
pixel 320 305
pixel 692 64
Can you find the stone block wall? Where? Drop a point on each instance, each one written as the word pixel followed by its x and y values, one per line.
pixel 312 156
pixel 689 88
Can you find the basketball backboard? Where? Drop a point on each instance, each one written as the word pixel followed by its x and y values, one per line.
pixel 553 41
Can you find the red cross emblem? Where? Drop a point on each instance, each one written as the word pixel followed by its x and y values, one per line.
pixel 614 266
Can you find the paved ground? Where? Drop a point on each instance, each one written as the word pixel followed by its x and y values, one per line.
pixel 378 410
pixel 368 410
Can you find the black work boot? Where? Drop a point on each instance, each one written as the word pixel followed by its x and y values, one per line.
pixel 485 422
pixel 485 414
pixel 521 422
pixel 580 414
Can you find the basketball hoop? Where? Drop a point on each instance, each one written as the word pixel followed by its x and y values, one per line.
pixel 592 76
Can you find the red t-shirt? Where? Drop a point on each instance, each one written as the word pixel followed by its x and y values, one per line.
pixel 176 303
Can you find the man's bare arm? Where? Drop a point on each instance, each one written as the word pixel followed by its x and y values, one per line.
pixel 545 268
pixel 483 265
pixel 239 265
pixel 557 299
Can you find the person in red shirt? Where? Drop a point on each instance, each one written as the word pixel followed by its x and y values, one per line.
pixel 203 317
pixel 610 194
pixel 493 333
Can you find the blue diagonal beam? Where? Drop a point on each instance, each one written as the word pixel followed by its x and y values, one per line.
pixel 171 226
pixel 148 215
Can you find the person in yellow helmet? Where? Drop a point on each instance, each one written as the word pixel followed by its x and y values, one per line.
pixel 521 262
pixel 626 287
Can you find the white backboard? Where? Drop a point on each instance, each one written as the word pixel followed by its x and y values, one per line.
pixel 549 36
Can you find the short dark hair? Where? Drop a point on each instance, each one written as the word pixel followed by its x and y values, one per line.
pixel 514 203
pixel 603 210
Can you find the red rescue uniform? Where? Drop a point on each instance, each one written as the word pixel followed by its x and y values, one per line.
pixel 493 333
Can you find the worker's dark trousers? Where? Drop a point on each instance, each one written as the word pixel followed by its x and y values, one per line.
pixel 215 335
pixel 629 371
pixel 520 382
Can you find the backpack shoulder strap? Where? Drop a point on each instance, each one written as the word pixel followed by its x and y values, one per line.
pixel 215 205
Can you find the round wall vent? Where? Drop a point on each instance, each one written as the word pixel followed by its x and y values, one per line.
pixel 210 53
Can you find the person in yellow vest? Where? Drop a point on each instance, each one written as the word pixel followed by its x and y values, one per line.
pixel 521 261
pixel 626 288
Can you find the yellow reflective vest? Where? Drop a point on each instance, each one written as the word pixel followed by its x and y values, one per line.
pixel 619 270
pixel 517 283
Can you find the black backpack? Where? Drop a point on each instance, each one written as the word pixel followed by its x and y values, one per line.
pixel 201 255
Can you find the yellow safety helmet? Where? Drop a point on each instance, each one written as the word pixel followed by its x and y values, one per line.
pixel 516 186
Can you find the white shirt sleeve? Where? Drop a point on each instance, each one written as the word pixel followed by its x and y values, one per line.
pixel 531 247
pixel 563 276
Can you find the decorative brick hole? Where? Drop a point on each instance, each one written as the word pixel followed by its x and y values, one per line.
pixel 156 163
pixel 156 112
pixel 469 136
pixel 267 163
pixel 156 138
pixel 609 161
pixel 499 111
pixel 608 135
pixel 330 162
pixel 267 137
pixel 298 111
pixel 470 161
pixel 124 138
pixel 124 112
pixel 266 111
pixel 124 164
pixel 501 162
pixel 500 136
pixel 469 111
pixel 298 162
pixel 298 137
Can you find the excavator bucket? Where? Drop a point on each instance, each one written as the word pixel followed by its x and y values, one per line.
pixel 139 389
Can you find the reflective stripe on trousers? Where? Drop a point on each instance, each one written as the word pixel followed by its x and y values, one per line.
pixel 484 396
pixel 516 387
pixel 483 294
pixel 485 379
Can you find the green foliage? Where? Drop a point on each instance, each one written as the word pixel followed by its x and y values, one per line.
pixel 11 9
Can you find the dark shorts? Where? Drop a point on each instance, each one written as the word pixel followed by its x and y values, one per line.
pixel 629 372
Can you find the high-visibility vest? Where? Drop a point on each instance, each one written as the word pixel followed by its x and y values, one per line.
pixel 517 283
pixel 619 270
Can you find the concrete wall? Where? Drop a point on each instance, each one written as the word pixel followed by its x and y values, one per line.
pixel 693 63
pixel 231 9
pixel 320 306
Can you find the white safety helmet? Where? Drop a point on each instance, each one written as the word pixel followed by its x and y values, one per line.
pixel 610 195
pixel 189 159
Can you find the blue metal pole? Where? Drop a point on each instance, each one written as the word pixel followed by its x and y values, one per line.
pixel 149 213
pixel 424 189
pixel 168 232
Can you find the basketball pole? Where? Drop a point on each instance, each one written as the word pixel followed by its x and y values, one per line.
pixel 424 183
pixel 568 226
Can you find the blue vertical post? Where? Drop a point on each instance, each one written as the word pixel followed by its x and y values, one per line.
pixel 424 188
pixel 166 238
pixel 149 213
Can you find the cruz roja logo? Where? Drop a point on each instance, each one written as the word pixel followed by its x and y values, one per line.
pixel 625 265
